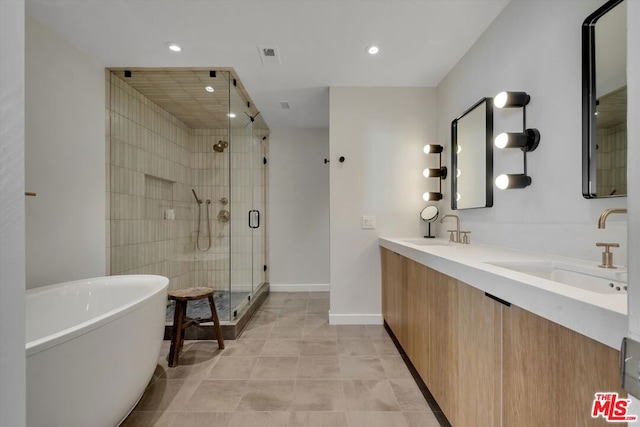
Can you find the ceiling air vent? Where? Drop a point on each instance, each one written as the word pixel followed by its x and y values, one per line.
pixel 284 105
pixel 269 54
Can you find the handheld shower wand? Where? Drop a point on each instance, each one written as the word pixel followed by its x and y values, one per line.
pixel 196 196
pixel 200 220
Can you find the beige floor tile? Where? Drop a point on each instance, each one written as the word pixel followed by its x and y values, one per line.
pixel 361 368
pixel 188 368
pixel 293 331
pixel 267 395
pixel 323 347
pixel 256 331
pixel 421 419
pixel 315 320
pixel 319 295
pixel 318 308
pixel 352 331
pixel 290 318
pixel 369 395
pixel 356 347
pixel 275 368
pixel 323 368
pixel 318 395
pixel 167 395
pixel 318 419
pixel 246 347
pixel 148 419
pixel 376 419
pixel 212 396
pixel 232 368
pixel 319 332
pixel 385 347
pixel 202 419
pixel 298 296
pixel 395 368
pixel 377 332
pixel 409 396
pixel 202 348
pixel 260 419
pixel 281 347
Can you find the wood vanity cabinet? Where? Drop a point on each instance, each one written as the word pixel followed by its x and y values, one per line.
pixel 489 364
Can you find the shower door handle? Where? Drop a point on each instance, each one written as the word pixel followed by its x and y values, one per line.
pixel 254 218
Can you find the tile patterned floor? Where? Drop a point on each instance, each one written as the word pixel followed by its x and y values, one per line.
pixel 289 368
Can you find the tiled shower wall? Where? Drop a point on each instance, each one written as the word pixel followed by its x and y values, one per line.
pixel 612 160
pixel 154 162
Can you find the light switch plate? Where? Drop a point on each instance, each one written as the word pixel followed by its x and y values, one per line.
pixel 630 366
pixel 368 222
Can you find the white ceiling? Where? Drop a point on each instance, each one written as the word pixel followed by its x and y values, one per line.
pixel 321 42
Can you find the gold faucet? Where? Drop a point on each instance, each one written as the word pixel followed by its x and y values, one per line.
pixel 455 239
pixel 603 217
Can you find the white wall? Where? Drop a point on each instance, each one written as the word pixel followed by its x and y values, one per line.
pixel 534 47
pixel 12 277
pixel 633 170
pixel 65 160
pixel 381 132
pixel 633 167
pixel 298 209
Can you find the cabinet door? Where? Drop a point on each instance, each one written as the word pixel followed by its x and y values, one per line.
pixel 479 358
pixel 393 293
pixel 442 318
pixel 550 373
pixel 418 306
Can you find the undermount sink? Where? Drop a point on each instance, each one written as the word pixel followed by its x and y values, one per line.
pixel 425 242
pixel 592 279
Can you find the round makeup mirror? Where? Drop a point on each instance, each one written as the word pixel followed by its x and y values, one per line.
pixel 429 214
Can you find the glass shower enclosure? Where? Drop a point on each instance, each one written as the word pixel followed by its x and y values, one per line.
pixel 187 184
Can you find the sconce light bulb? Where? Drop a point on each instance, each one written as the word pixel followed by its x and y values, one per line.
pixel 440 172
pixel 511 99
pixel 431 197
pixel 500 100
pixel 504 181
pixel 501 140
pixel 432 149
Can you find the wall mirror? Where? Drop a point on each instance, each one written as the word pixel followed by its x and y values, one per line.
pixel 472 157
pixel 604 102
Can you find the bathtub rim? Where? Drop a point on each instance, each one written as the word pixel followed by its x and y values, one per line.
pixel 67 334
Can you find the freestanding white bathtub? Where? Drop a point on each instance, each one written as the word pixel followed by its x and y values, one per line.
pixel 92 347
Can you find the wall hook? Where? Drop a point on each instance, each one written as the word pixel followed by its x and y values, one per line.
pixel 342 159
pixel 326 161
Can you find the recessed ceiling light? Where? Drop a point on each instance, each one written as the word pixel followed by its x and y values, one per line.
pixel 209 88
pixel 174 47
pixel 372 50
pixel 231 115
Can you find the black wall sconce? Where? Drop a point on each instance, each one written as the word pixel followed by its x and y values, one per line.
pixel 527 140
pixel 440 172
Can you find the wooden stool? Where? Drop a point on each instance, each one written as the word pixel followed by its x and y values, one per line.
pixel 182 322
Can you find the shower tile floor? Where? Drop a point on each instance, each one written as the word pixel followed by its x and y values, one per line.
pixel 288 368
pixel 200 308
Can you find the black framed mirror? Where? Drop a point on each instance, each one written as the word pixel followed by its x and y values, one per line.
pixel 472 157
pixel 604 102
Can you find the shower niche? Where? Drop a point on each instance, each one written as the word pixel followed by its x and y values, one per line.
pixel 187 172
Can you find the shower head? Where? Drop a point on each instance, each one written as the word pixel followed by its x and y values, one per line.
pixel 220 146
pixel 196 196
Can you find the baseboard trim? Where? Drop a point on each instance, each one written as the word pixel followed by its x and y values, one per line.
pixel 299 288
pixel 355 319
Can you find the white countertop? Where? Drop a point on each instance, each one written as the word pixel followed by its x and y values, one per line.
pixel 602 317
